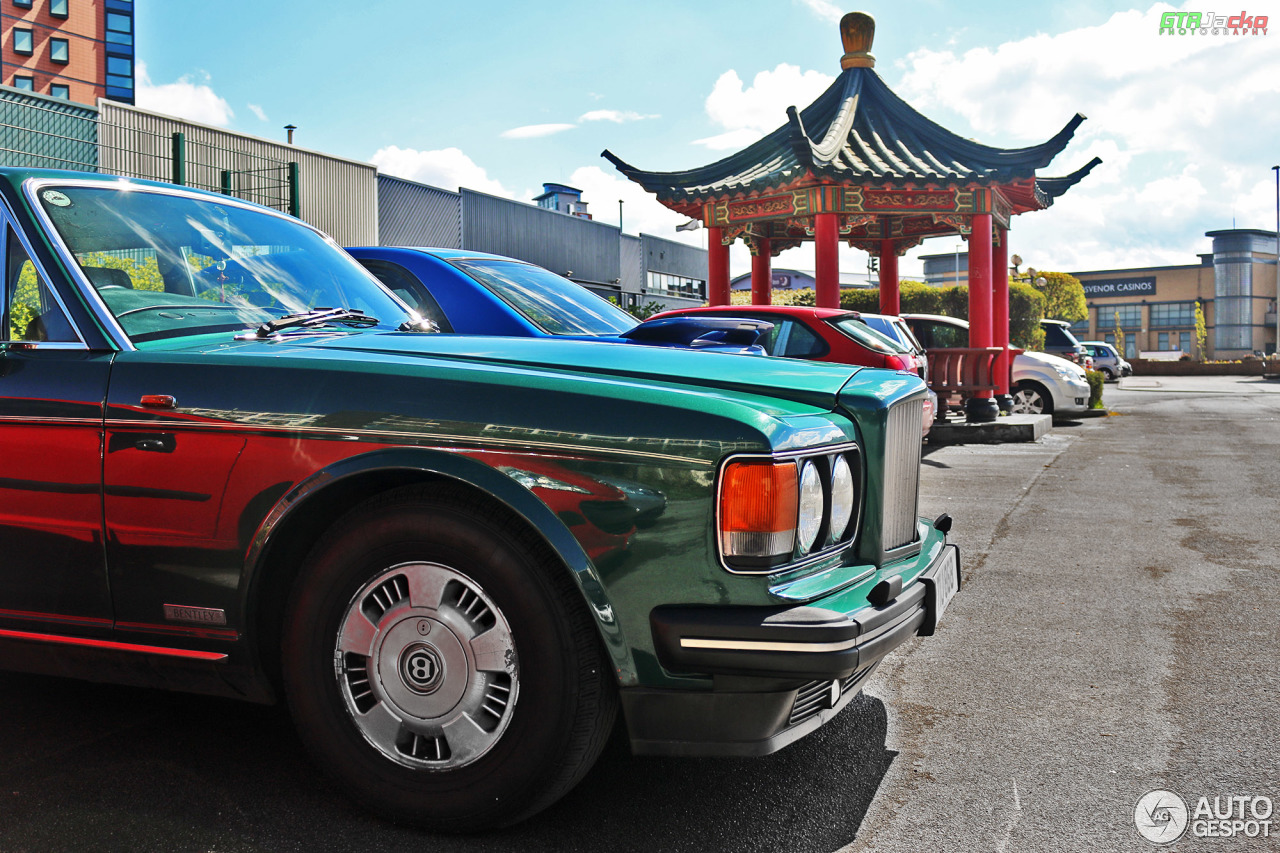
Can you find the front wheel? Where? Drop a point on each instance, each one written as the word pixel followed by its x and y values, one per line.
pixel 441 667
pixel 1031 399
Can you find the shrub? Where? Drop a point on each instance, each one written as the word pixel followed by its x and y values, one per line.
pixel 1095 378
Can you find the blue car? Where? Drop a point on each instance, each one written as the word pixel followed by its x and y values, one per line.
pixel 475 293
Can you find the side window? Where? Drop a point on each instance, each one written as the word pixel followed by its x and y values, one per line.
pixel 411 291
pixel 32 313
pixel 802 342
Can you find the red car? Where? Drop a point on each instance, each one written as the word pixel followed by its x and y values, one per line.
pixel 821 334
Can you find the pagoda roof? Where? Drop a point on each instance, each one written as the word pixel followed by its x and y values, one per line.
pixel 858 132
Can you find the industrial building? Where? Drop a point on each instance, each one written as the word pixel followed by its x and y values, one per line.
pixel 349 199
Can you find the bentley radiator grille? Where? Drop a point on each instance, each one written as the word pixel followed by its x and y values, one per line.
pixel 902 473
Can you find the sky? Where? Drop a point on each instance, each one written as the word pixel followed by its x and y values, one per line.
pixel 501 97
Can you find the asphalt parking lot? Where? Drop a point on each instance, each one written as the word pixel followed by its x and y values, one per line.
pixel 1115 634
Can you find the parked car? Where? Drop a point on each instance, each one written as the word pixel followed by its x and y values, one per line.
pixel 823 334
pixel 895 328
pixel 1039 383
pixel 1108 360
pixel 476 293
pixel 236 464
pixel 1059 341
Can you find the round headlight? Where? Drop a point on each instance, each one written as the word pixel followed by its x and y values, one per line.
pixel 810 521
pixel 843 496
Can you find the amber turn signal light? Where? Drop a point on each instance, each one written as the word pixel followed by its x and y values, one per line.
pixel 759 504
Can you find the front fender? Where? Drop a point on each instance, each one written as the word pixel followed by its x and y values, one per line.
pixel 464 469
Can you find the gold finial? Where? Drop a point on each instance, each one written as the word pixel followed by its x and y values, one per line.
pixel 857 31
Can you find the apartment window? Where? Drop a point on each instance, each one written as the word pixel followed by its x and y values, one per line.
pixel 58 8
pixel 24 82
pixel 22 41
pixel 119 29
pixel 22 4
pixel 60 90
pixel 59 51
pixel 1173 314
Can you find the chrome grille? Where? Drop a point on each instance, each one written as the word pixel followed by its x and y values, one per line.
pixel 902 473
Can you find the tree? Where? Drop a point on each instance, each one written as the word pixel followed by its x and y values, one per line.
pixel 1063 297
pixel 1119 335
pixel 1202 334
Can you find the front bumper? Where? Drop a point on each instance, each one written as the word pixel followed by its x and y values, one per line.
pixel 1076 397
pixel 779 673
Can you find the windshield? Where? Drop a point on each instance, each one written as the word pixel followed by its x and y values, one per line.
pixel 555 305
pixel 867 336
pixel 169 265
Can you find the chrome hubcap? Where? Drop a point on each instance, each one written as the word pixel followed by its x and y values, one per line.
pixel 427 666
pixel 1027 403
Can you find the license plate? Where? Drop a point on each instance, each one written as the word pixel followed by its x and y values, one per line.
pixel 944 580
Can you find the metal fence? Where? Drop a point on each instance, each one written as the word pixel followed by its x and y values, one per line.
pixel 43 133
pixel 136 152
pixel 48 133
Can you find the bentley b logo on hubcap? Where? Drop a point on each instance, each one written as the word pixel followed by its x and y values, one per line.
pixel 421 669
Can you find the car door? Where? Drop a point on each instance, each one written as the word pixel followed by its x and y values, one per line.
pixel 52 386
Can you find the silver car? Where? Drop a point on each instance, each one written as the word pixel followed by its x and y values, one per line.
pixel 1041 384
pixel 1108 360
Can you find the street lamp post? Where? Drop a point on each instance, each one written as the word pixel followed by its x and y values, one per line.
pixel 1276 169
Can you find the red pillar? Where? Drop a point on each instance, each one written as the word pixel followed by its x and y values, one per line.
pixel 889 296
pixel 981 407
pixel 761 272
pixel 826 235
pixel 717 267
pixel 1000 309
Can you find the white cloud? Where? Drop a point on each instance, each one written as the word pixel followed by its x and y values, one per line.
pixel 748 113
pixel 824 9
pixel 533 131
pixel 641 212
pixel 616 116
pixel 258 111
pixel 1184 125
pixel 447 168
pixel 184 99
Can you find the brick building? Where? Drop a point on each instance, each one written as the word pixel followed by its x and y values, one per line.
pixel 76 50
pixel 1154 307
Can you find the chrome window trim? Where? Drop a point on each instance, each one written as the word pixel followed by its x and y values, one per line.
pixel 8 222
pixel 814 557
pixel 32 186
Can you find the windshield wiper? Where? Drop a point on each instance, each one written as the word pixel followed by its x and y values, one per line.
pixel 318 317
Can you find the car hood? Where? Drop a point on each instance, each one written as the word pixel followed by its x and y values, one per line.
pixel 809 383
pixel 1045 361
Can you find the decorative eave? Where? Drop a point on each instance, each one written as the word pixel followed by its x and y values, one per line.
pixel 858 132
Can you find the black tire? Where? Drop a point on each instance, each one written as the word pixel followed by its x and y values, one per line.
pixel 1030 398
pixel 400 752
pixel 1108 374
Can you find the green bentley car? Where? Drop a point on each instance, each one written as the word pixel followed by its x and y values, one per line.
pixel 454 558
